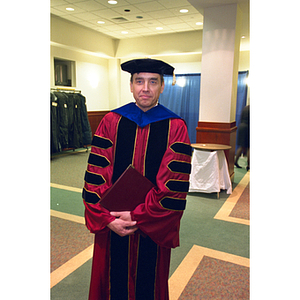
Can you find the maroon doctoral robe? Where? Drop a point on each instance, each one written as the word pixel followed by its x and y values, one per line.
pixel 136 267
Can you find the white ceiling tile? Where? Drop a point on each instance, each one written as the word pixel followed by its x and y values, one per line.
pixel 106 13
pixel 159 14
pixel 192 18
pixel 88 24
pixel 129 18
pixel 62 8
pixel 173 3
pixel 145 17
pixel 138 1
pixel 121 10
pixel 130 25
pixel 90 5
pixel 107 22
pixel 85 16
pixel 106 4
pixel 141 30
pixel 58 2
pixel 180 26
pixel 176 10
pixel 74 1
pixel 154 30
pixel 151 23
pixel 149 6
pixel 172 20
pixel 114 27
pixel 164 29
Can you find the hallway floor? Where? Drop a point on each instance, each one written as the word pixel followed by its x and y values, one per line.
pixel 212 261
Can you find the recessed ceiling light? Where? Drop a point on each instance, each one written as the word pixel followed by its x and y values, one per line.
pixel 127 10
pixel 243 37
pixel 159 28
pixel 199 23
pixel 112 2
pixel 70 9
pixel 139 17
pixel 124 32
pixel 101 22
pixel 184 11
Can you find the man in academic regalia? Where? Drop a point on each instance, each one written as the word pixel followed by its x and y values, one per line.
pixel 132 249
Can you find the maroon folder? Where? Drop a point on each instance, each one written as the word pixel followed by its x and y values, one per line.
pixel 127 192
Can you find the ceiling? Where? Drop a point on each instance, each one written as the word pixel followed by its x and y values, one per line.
pixel 138 18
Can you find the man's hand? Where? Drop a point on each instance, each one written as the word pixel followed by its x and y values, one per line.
pixel 122 225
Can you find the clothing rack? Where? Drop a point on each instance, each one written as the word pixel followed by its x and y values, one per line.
pixel 70 127
pixel 65 90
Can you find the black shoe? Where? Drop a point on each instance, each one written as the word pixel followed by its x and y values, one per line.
pixel 236 164
pixel 247 168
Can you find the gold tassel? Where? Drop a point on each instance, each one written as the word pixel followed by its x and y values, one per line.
pixel 174 79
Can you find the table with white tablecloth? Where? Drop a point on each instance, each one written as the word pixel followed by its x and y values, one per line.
pixel 209 169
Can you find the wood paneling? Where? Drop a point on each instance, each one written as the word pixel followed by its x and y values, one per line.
pixel 219 133
pixel 95 118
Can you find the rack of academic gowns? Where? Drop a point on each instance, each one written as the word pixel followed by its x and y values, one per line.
pixel 70 127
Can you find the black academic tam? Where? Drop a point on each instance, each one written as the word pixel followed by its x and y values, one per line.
pixel 147 65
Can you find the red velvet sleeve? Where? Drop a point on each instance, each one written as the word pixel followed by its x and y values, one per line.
pixel 99 173
pixel 160 216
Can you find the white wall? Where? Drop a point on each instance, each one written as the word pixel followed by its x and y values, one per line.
pixel 114 83
pixel 163 44
pixel 125 89
pixel 93 82
pixel 186 63
pixel 91 76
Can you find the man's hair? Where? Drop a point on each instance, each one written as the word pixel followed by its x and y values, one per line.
pixel 161 78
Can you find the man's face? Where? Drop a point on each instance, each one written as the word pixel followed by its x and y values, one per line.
pixel 146 89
